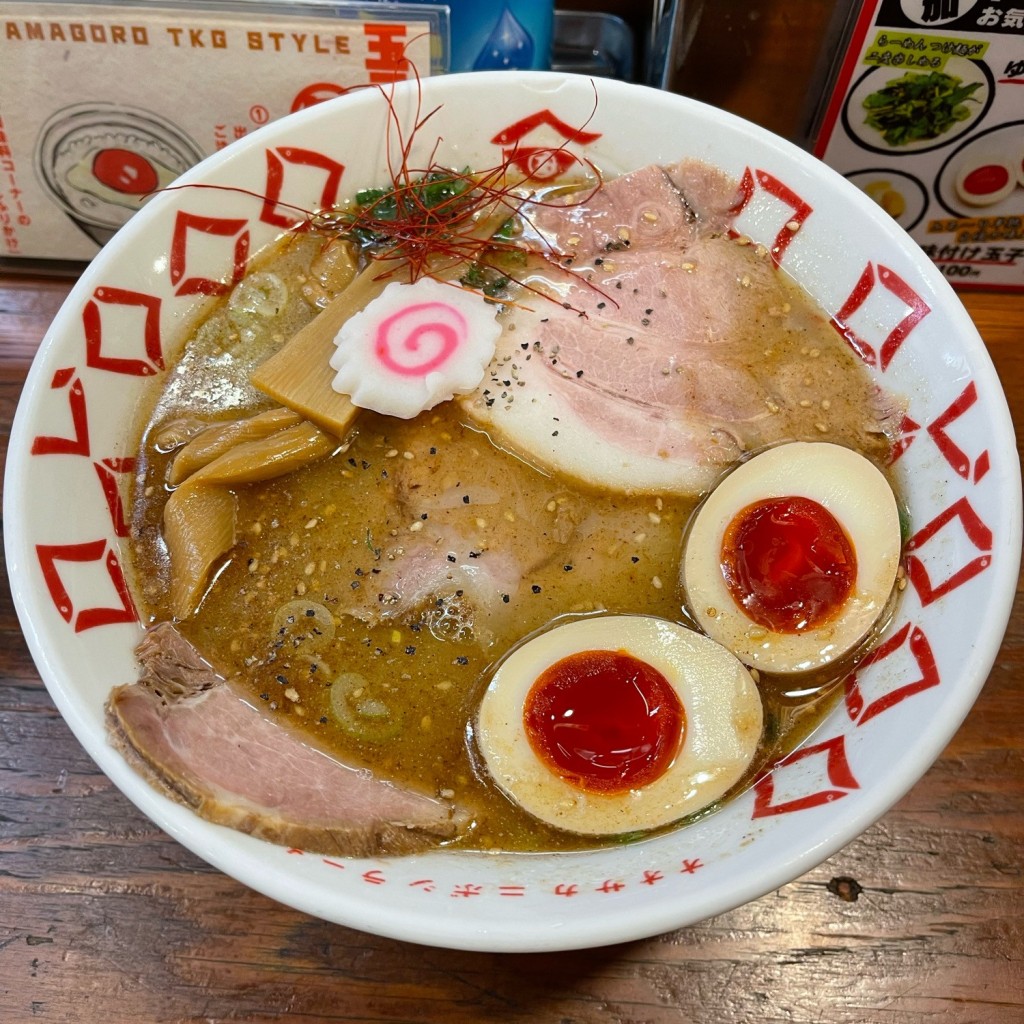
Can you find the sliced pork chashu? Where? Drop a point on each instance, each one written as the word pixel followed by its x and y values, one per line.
pixel 196 738
pixel 666 349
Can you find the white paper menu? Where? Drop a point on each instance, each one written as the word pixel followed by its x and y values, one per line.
pixel 100 105
pixel 927 117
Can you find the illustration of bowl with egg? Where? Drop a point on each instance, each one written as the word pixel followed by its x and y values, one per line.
pixel 567 556
pixel 100 162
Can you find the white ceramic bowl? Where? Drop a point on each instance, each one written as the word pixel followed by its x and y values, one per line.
pixel 957 458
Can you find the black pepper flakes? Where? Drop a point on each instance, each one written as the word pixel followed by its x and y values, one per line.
pixel 536 588
pixel 410 649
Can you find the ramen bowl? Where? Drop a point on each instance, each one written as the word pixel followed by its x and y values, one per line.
pixel 70 459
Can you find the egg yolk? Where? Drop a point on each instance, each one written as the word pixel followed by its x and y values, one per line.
pixel 124 171
pixel 788 563
pixel 983 181
pixel 604 721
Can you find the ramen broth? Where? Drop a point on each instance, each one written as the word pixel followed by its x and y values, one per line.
pixel 311 612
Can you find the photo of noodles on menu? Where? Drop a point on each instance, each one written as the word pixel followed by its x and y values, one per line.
pixel 927 117
pixel 110 124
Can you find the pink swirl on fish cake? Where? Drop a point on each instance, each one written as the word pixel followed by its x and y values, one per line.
pixel 435 326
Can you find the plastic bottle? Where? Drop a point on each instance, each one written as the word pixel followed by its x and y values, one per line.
pixel 489 35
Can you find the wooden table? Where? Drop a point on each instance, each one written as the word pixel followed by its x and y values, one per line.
pixel 103 918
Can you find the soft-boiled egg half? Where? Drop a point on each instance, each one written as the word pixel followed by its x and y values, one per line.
pixel 618 723
pixel 792 558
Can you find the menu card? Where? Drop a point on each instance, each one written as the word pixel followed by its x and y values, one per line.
pixel 927 117
pixel 101 106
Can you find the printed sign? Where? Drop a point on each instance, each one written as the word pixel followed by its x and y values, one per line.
pixel 100 106
pixel 927 117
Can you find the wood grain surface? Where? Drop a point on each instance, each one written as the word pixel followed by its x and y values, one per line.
pixel 104 919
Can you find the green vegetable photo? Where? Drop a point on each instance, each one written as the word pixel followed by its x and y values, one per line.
pixel 919 106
